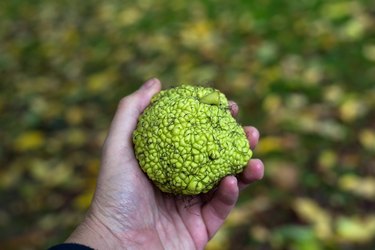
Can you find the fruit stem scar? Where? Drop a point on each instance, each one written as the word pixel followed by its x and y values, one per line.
pixel 211 98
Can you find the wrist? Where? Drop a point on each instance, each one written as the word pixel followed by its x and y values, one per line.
pixel 92 232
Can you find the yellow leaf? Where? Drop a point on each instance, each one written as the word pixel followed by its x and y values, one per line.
pixel 129 16
pixel 313 74
pixel 76 137
pixel 327 159
pixel 333 10
pixel 74 115
pixel 40 170
pixel 106 11
pixel 311 212
pixel 39 105
pixel 50 173
pixel 354 29
pixel 351 109
pixel 369 52
pixel 93 165
pixel 364 187
pixel 199 34
pixel 354 229
pixel 83 201
pixel 101 81
pixel 272 103
pixel 238 216
pixel 29 140
pixel 260 233
pixel 270 144
pixel 333 94
pixel 367 139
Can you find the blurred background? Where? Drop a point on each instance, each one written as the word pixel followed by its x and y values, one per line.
pixel 301 71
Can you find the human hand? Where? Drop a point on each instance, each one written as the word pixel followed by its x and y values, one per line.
pixel 129 212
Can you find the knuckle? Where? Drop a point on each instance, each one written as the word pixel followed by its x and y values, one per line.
pixel 124 102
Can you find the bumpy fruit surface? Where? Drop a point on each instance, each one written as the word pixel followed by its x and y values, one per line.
pixel 186 140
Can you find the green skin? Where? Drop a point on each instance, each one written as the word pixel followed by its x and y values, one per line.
pixel 186 140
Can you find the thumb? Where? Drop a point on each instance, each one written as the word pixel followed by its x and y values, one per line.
pixel 128 111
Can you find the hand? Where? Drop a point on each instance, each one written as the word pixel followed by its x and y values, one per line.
pixel 129 212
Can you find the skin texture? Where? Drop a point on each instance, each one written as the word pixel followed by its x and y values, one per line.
pixel 186 140
pixel 128 212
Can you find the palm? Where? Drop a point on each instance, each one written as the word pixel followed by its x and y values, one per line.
pixel 150 209
pixel 183 221
pixel 184 214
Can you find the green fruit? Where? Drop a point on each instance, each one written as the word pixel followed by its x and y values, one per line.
pixel 186 140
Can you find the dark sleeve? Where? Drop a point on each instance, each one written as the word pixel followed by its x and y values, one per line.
pixel 70 246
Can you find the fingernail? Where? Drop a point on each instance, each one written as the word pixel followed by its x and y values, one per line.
pixel 149 83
